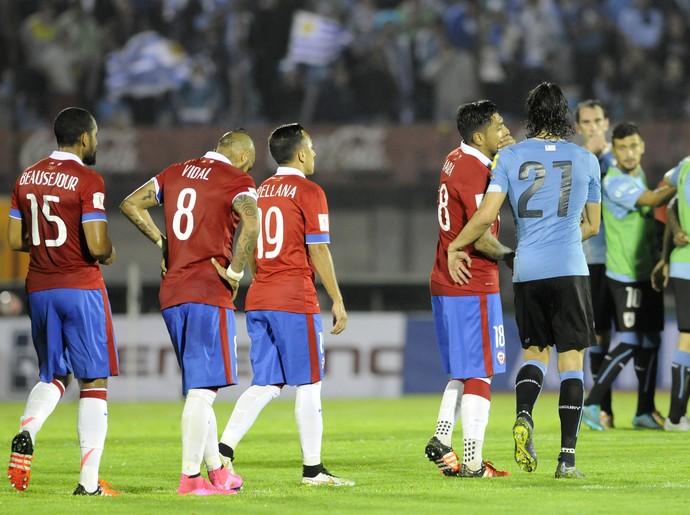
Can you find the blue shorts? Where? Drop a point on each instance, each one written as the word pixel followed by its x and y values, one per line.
pixel 205 343
pixel 287 348
pixel 470 335
pixel 72 330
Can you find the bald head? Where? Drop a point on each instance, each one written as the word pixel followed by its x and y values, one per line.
pixel 238 146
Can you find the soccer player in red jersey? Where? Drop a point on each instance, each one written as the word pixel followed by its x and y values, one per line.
pixel 58 216
pixel 204 199
pixel 283 313
pixel 468 317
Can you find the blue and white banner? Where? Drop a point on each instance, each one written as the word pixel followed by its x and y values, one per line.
pixel 147 66
pixel 316 39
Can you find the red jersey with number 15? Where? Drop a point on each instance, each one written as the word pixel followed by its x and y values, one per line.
pixel 197 198
pixel 464 179
pixel 294 214
pixel 54 198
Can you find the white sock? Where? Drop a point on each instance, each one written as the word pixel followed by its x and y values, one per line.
pixel 40 404
pixel 211 453
pixel 449 411
pixel 309 422
pixel 196 418
pixel 247 409
pixel 92 426
pixel 475 417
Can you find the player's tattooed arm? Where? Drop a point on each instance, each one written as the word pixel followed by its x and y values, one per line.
pixel 245 207
pixel 135 207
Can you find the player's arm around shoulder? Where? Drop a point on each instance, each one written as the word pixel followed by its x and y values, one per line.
pixel 323 263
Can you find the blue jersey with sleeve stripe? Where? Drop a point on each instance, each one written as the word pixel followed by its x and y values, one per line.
pixel 595 247
pixel 548 184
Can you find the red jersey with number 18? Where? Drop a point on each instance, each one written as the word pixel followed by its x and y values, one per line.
pixel 294 214
pixel 464 179
pixel 197 197
pixel 54 198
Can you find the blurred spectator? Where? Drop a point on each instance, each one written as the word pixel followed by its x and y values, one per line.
pixel 198 98
pixel 453 75
pixel 59 64
pixel 642 24
pixel 84 37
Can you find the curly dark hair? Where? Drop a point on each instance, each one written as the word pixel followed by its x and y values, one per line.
pixel 474 117
pixel 547 111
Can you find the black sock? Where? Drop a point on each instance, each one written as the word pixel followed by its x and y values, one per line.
pixel 569 411
pixel 312 470
pixel 645 369
pixel 528 385
pixel 226 451
pixel 611 366
pixel 680 391
pixel 595 361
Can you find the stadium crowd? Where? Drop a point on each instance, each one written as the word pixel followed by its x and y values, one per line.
pixel 164 62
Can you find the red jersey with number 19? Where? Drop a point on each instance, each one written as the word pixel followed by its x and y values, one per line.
pixel 294 214
pixel 464 179
pixel 197 197
pixel 54 198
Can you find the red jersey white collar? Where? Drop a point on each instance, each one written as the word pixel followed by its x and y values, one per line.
pixel 288 170
pixel 65 156
pixel 217 156
pixel 466 149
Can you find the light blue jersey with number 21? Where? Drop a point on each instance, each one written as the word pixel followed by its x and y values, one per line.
pixel 548 184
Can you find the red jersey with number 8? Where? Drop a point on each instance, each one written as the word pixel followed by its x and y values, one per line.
pixel 197 197
pixel 54 198
pixel 294 214
pixel 464 180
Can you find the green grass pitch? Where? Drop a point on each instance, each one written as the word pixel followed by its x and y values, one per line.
pixel 378 443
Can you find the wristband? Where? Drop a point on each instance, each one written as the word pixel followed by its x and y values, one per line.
pixel 234 276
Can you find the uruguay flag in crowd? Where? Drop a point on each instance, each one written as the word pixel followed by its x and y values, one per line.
pixel 316 39
pixel 147 66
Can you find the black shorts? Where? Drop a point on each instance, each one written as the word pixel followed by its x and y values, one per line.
pixel 555 312
pixel 602 300
pixel 639 308
pixel 681 292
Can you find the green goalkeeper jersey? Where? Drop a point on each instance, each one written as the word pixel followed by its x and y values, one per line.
pixel 680 256
pixel 631 245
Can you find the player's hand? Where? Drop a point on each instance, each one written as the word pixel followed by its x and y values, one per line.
pixel 660 275
pixel 509 259
pixel 110 258
pixel 506 140
pixel 339 317
pixel 223 273
pixel 164 258
pixel 680 239
pixel 459 263
pixel 596 143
